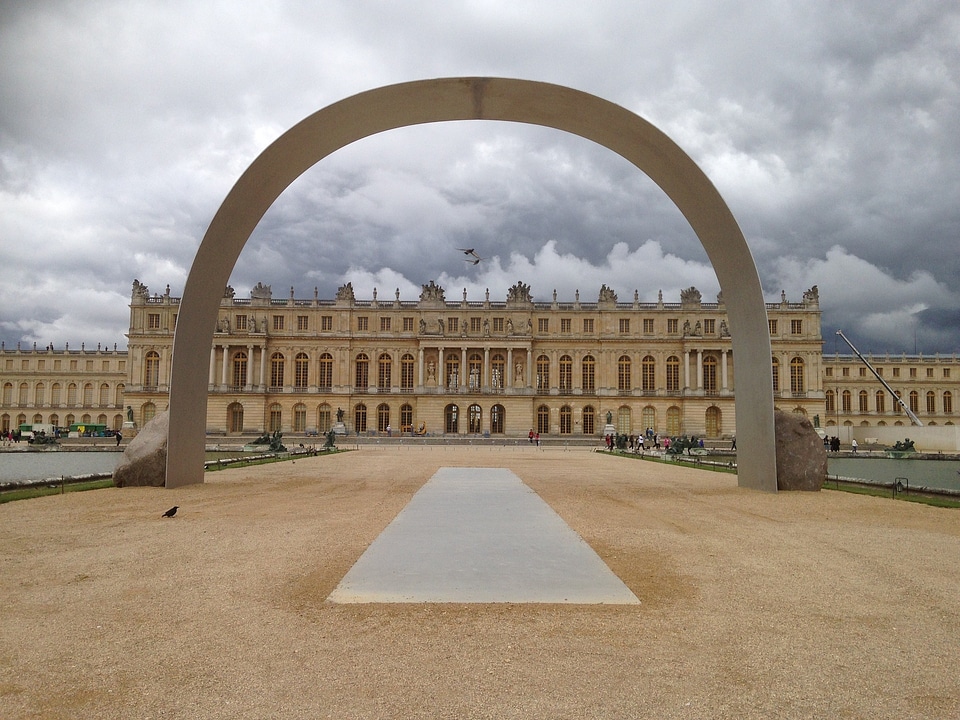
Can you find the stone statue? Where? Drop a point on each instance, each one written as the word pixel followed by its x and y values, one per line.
pixel 129 414
pixel 431 370
pixel 423 326
pixel 339 414
pixel 609 417
pixel 607 295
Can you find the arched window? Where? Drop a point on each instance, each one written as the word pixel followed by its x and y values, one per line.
pixel 673 374
pixel 55 421
pixel 72 394
pixel 931 401
pixel 566 373
pixel 452 370
pixel 451 415
pixel 360 418
pixel 55 395
pixel 673 421
pixel 589 420
pixel 797 377
pixel 475 370
pixel 383 417
pixel 8 394
pixel 543 419
pixel 276 370
pixel 624 420
pixel 88 394
pixel 475 419
pixel 543 373
pixel 712 421
pixel 384 373
pixel 897 408
pixel 710 375
pixel 846 401
pixel 588 369
pixel 406 417
pixel 566 420
pixel 623 373
pixel 301 372
pixel 862 401
pixel 24 389
pixel 497 414
pixel 406 374
pixel 104 395
pixel 239 370
pixel 648 374
pixel 775 364
pixel 275 421
pixel 324 419
pixel 235 417
pixel 948 403
pixel 649 418
pixel 39 394
pixel 497 368
pixel 830 402
pixel 299 418
pixel 117 397
pixel 151 370
pixel 361 379
pixel 881 401
pixel 325 378
pixel 147 413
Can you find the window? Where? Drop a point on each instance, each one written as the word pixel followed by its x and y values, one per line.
pixel 299 418
pixel 845 372
pixel 931 401
pixel 543 372
pixel 361 376
pixel 796 327
pixel 797 376
pixel 673 420
pixel 588 325
pixel 278 322
pixel 565 324
pixel 301 365
pixel 54 395
pixel 239 370
pixel 589 420
pixel 276 370
pixel 451 419
pixel 648 326
pixel 408 324
pixel 588 369
pixel 452 369
pixel 566 420
pixel 710 326
pixel 710 374
pixel 946 372
pixel 776 375
pixel 406 417
pixel 862 401
pixel 913 372
pixel 881 401
pixel 543 420
pixel 362 324
pixel 476 324
pixel 496 419
pixel 360 418
pixel 453 324
pixel 929 372
pixel 543 325
pixel 385 324
pixel 383 417
pixel 623 373
pixel 948 402
pixel 914 402
pixel 649 418
pixel 276 418
pixel 235 417
pixel 863 372
pixel 497 368
pixel 153 321
pixel 325 380
pixel 303 323
pixel 828 372
pixel 673 374
pixel 673 326
pixel 498 324
pixel 384 372
pixel 406 373
pixel 151 369
pixel 324 419
pixel 624 326
pixel 845 400
pixel 474 419
pixel 474 370
pixel 624 422
pixel 71 395
pixel 240 323
pixel 326 323
pixel 896 372
pixel 830 402
pixel 566 373
pixel 88 394
pixel 772 324
pixel 647 373
pixel 40 391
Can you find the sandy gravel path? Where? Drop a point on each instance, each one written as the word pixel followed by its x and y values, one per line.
pixel 813 605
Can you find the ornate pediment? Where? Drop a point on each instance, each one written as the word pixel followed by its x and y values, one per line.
pixel 345 294
pixel 690 297
pixel 432 294
pixel 607 296
pixel 519 294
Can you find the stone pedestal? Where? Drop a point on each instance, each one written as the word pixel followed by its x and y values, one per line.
pixel 339 429
pixel 609 430
pixel 128 429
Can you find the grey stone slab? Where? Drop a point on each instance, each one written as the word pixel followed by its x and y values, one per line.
pixel 479 535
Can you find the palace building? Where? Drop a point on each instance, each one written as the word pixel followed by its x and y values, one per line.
pixel 473 367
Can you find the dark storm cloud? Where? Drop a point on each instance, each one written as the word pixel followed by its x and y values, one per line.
pixel 829 128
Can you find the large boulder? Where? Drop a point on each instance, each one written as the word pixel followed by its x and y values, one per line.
pixel 801 457
pixel 144 462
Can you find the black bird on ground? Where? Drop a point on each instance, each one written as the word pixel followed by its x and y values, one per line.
pixel 171 512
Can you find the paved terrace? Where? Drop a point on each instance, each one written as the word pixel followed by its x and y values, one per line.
pixel 751 605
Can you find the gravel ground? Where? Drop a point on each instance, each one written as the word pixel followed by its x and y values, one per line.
pixel 795 605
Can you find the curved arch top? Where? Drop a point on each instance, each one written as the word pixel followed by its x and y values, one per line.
pixel 473 98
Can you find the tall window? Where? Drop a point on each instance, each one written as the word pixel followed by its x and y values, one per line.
pixel 624 326
pixel 278 322
pixel 39 391
pixel 624 420
pixel 862 401
pixel 673 421
pixel 88 394
pixel 239 369
pixel 543 419
pixel 326 323
pixel 303 322
pixel 948 402
pixel 914 401
pixel 383 417
pixel 151 369
pixel 710 374
pixel 54 395
pixel 588 325
pixel 711 421
pixel 589 420
pixel 649 417
pixel 776 375
pixel 566 420
pixel 235 417
pixel 385 323
pixel 361 379
pixel 497 368
pixel 496 419
pixel 623 373
pixel 71 395
pixel 797 381
pixel 299 418
pixel 830 402
pixel 648 379
pixel 324 419
pixel 384 372
pixel 475 368
pixel 104 394
pixel 543 325
pixel 301 365
pixel 276 370
pixel 325 379
pixel 588 367
pixel 406 417
pixel 452 369
pixel 881 402
pixel 673 374
pixel 931 401
pixel 451 418
pixel 796 327
pixel 543 372
pixel 360 418
pixel 276 418
pixel 673 326
pixel 363 323
pixel 475 419
pixel 566 373
pixel 406 372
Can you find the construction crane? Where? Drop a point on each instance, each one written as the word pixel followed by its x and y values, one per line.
pixel 913 418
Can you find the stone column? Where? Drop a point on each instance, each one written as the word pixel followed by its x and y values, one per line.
pixel 686 368
pixel 263 366
pixel 508 380
pixel 723 370
pixel 485 379
pixel 420 354
pixel 213 365
pixel 699 369
pixel 463 367
pixel 249 384
pixel 223 370
pixel 529 376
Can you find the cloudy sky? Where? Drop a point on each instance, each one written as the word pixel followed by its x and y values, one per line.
pixel 831 130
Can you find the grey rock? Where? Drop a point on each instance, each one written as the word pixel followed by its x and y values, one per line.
pixel 801 458
pixel 144 462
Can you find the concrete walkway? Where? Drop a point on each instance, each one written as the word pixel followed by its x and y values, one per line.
pixel 479 535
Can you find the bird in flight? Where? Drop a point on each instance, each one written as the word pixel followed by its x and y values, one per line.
pixel 171 512
pixel 474 258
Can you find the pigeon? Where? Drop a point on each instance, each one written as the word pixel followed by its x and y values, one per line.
pixel 474 259
pixel 171 512
pixel 467 251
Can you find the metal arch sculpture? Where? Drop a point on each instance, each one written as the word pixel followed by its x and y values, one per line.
pixel 473 98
